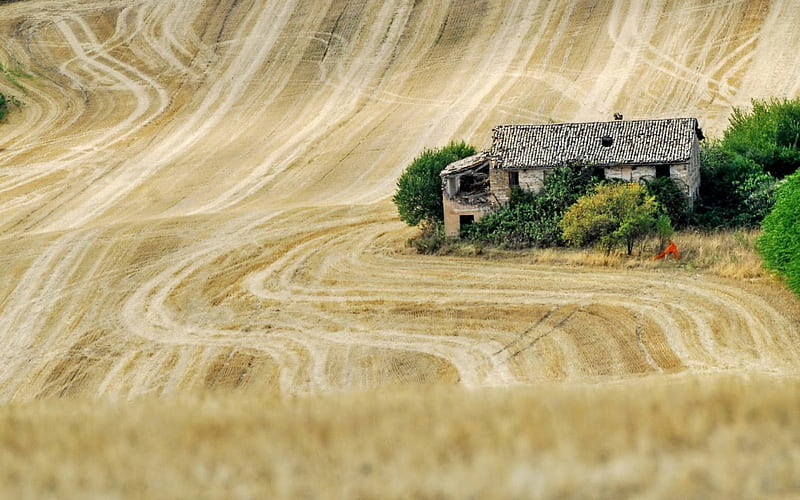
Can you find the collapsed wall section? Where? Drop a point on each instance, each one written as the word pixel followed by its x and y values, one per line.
pixel 466 193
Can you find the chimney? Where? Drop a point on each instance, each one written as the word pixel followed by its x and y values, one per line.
pixel 618 116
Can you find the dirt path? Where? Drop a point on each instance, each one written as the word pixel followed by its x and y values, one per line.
pixel 197 195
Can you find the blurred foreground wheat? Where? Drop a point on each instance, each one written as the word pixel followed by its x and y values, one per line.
pixel 720 436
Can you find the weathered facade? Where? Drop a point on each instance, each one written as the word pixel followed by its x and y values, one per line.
pixel 523 155
pixel 466 193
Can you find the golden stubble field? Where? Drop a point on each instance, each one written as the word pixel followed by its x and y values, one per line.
pixel 194 213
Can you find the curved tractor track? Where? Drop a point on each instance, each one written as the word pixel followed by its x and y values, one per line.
pixel 196 193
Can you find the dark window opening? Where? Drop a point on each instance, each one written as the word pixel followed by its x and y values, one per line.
pixel 466 220
pixel 513 179
pixel 662 170
pixel 468 182
pixel 607 141
pixel 599 172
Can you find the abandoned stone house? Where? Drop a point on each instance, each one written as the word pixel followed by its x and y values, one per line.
pixel 523 155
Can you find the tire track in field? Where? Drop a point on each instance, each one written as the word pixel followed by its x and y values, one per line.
pixel 336 290
pixel 29 306
pixel 95 66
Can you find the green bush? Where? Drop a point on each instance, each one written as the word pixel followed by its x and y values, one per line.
pixel 525 221
pixel 780 244
pixel 768 134
pixel 672 198
pixel 611 215
pixel 3 106
pixel 431 238
pixel 738 173
pixel 419 188
pixel 531 220
pixel 5 102
pixel 735 191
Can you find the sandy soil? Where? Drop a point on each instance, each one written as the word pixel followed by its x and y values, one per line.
pixel 196 193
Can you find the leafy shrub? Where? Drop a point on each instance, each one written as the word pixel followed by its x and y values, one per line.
pixel 779 246
pixel 525 221
pixel 738 173
pixel 768 134
pixel 672 198
pixel 563 186
pixel 5 102
pixel 431 239
pixel 531 220
pixel 613 214
pixel 419 188
pixel 735 191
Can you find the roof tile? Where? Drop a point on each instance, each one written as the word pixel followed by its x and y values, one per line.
pixel 638 142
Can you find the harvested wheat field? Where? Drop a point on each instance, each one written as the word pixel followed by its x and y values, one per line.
pixel 206 289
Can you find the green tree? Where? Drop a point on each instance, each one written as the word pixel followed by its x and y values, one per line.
pixel 613 214
pixel 419 188
pixel 780 244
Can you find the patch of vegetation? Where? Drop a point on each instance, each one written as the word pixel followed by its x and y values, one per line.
pixel 431 239
pixel 531 220
pixel 612 215
pixel 729 253
pixel 780 244
pixel 672 198
pixel 768 134
pixel 739 172
pixel 419 188
pixel 12 75
pixel 735 191
pixel 7 103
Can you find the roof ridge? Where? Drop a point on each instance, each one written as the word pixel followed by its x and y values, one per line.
pixel 649 120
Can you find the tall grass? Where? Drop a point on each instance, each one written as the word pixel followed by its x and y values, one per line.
pixel 725 253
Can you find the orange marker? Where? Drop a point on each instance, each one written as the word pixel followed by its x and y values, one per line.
pixel 672 249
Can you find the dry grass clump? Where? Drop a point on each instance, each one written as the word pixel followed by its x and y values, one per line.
pixel 707 436
pixel 725 253
pixel 731 254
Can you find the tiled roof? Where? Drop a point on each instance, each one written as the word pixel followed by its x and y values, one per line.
pixel 464 164
pixel 602 144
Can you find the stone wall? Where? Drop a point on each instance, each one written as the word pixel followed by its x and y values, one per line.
pixel 530 180
pixel 453 210
pixel 498 180
pixel 693 179
pixel 630 173
pixel 688 175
